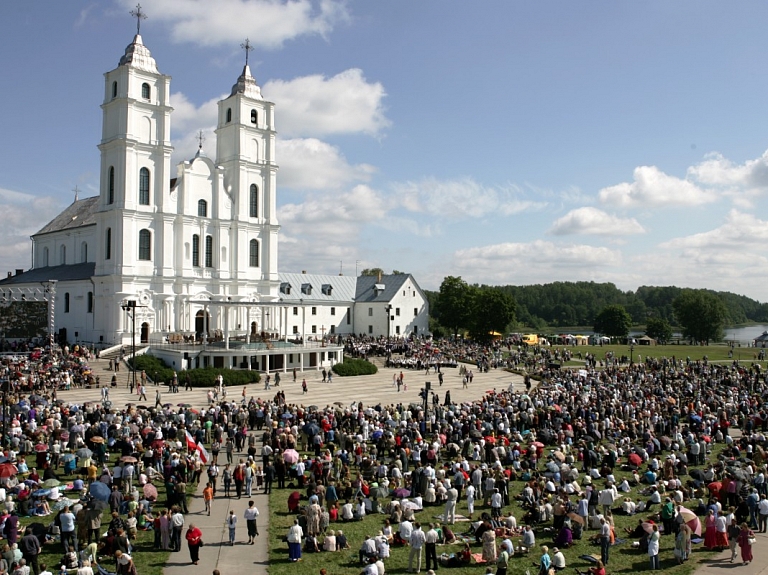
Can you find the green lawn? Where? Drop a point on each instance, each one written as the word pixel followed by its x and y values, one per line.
pixel 623 559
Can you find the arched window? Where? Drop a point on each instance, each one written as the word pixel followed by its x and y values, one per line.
pixel 145 245
pixel 111 185
pixel 145 91
pixel 202 209
pixel 90 302
pixel 254 254
pixel 63 255
pixel 45 257
pixel 254 201
pixel 209 251
pixel 84 252
pixel 229 115
pixel 196 250
pixel 114 90
pixel 108 245
pixel 144 187
pixel 66 302
pixel 254 117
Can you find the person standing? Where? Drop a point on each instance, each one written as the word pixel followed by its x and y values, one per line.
pixel 295 534
pixel 653 547
pixel 194 542
pixel 177 525
pixel 232 526
pixel 30 549
pixel 417 541
pixel 605 541
pixel 450 506
pixel 208 497
pixel 250 516
pixel 269 478
pixel 430 541
pixel 746 540
pixel 303 386
pixel 68 535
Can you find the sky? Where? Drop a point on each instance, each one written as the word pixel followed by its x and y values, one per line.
pixel 505 142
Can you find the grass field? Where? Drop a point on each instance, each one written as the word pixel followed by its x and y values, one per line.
pixel 623 558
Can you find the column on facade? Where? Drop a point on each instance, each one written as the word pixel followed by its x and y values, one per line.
pixel 285 362
pixel 301 360
pixel 226 326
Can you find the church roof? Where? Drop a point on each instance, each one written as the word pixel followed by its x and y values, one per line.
pixel 137 55
pixel 246 85
pixel 69 272
pixel 77 215
pixel 387 288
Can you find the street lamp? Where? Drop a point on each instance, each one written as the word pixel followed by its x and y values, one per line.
pixel 632 352
pixel 130 307
pixel 388 309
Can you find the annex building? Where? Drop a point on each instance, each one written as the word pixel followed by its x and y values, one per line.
pixel 184 259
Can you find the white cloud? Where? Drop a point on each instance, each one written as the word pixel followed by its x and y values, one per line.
pixel 325 229
pixel 739 232
pixel 311 164
pixel 592 221
pixel 23 215
pixel 267 23
pixel 532 262
pixel 319 106
pixel 717 170
pixel 653 188
pixel 460 198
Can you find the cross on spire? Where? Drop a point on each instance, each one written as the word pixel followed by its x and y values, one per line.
pixel 139 15
pixel 200 140
pixel 77 192
pixel 248 48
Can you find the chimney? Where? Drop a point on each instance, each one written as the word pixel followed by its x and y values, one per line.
pixel 10 274
pixel 19 272
pixel 378 281
pixel 304 271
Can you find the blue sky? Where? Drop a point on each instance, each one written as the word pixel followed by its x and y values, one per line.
pixel 506 142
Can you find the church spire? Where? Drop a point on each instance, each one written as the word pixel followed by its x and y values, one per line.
pixel 139 15
pixel 137 54
pixel 246 83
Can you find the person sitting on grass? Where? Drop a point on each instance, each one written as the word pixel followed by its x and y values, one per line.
pixel 341 541
pixel 598 569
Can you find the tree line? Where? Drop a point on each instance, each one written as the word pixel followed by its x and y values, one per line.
pixel 700 314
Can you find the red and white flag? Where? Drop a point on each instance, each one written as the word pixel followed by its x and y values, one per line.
pixel 192 446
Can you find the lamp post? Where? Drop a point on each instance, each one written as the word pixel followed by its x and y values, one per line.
pixel 130 307
pixel 388 309
pixel 632 353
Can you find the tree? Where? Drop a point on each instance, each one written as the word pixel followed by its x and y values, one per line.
pixel 701 314
pixel 493 311
pixel 613 321
pixel 454 304
pixel 372 272
pixel 659 329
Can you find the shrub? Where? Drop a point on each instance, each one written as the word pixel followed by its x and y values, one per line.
pixel 352 366
pixel 201 377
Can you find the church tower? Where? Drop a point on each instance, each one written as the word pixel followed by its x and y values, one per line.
pixel 245 148
pixel 135 165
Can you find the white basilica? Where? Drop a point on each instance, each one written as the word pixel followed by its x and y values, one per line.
pixel 187 261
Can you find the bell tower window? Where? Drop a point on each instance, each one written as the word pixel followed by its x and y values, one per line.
pixel 144 187
pixel 111 185
pixel 63 255
pixel 114 90
pixel 145 245
pixel 254 253
pixel 196 250
pixel 254 201
pixel 145 91
pixel 108 246
pixel 202 209
pixel 229 115
pixel 209 251
pixel 254 117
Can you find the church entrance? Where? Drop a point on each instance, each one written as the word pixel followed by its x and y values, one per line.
pixel 145 332
pixel 202 320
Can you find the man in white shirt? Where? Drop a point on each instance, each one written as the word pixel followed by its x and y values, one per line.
pixel 430 541
pixel 417 540
pixel 250 516
pixel 177 524
pixel 406 528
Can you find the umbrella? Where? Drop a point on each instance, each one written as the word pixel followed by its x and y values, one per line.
pixel 576 517
pixel 377 434
pixel 290 456
pixel 490 439
pixel 635 459
pixel 51 483
pixel 128 459
pixel 41 447
pixel 62 503
pixel 67 457
pixel 648 527
pixel 286 416
pixel 150 491
pixel 97 439
pixel 691 520
pixel 183 405
pixel 559 455
pixel 401 492
pixel 537 444
pixel 7 470
pixel 84 452
pixel 411 505
pixel 99 491
pixel 310 429
pixel 338 403
pixel 41 493
pixel 379 492
pixel 65 435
